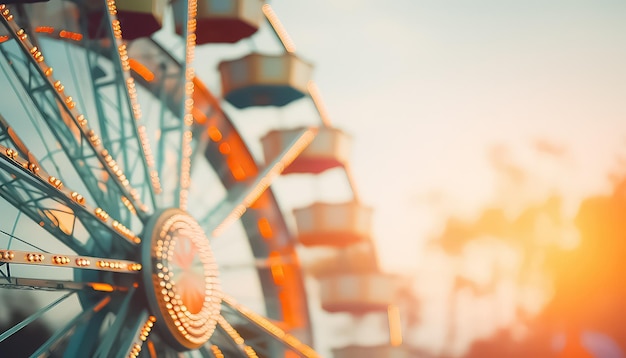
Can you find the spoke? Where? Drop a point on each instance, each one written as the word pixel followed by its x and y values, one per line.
pixel 235 342
pixel 61 260
pixel 278 29
pixel 112 332
pixel 184 158
pixel 33 87
pixel 128 135
pixel 17 188
pixel 260 263
pixel 45 199
pixel 32 164
pixel 61 334
pixel 32 317
pixel 314 93
pixel 16 142
pixel 80 142
pixel 6 132
pixel 269 328
pixel 241 198
pixel 58 285
pixel 212 352
pixel 140 327
pixel 87 334
pixel 13 237
pixel 163 75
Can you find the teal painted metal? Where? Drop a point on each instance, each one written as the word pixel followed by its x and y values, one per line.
pixel 123 314
pixel 40 201
pixel 32 317
pixel 30 197
pixel 87 161
pixel 169 90
pixel 119 125
pixel 33 197
pixel 205 352
pixel 227 345
pixel 99 85
pixel 85 338
pixel 240 192
pixel 62 333
pixel 184 113
pixel 274 345
pixel 128 340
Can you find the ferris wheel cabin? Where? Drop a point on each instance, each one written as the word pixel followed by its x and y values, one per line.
pixel 333 224
pixel 330 149
pixel 264 80
pixel 221 21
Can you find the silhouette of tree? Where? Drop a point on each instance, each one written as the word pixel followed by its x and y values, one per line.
pixel 588 288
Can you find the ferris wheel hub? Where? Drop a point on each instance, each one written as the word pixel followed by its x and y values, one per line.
pixel 180 278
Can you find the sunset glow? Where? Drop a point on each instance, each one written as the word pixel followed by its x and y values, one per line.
pixel 489 138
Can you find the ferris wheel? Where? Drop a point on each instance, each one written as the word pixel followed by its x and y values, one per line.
pixel 135 220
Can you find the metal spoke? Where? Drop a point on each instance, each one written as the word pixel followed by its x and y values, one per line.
pixel 128 135
pixel 8 333
pixel 13 237
pixel 106 344
pixel 87 334
pixel 32 164
pixel 240 198
pixel 58 285
pixel 7 133
pixel 207 352
pixel 80 142
pixel 19 192
pixel 184 159
pixel 44 197
pixel 264 325
pixel 259 263
pixel 33 86
pixel 62 260
pixel 139 327
pixel 10 134
pixel 234 343
pixel 161 75
pixel 164 76
pixel 278 29
pixel 63 333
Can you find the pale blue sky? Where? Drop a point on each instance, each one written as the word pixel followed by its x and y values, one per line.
pixel 427 87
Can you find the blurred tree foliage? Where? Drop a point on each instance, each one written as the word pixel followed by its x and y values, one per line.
pixel 587 280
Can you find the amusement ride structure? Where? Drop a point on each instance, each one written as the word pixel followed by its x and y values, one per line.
pixel 130 198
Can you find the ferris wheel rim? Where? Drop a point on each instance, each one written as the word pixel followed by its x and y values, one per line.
pixel 145 318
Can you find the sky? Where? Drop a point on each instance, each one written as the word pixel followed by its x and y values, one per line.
pixel 427 89
pixel 440 96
